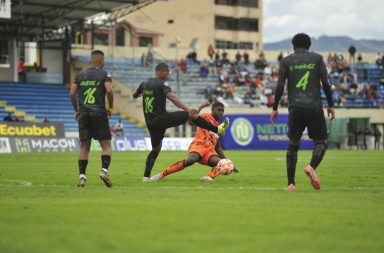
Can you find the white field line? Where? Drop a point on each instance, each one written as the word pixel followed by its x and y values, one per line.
pixel 29 184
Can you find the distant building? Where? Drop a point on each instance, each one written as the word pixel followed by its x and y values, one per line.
pixel 226 24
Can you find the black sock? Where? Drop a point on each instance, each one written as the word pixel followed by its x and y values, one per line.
pixel 318 154
pixel 291 163
pixel 151 159
pixel 82 166
pixel 105 161
pixel 200 122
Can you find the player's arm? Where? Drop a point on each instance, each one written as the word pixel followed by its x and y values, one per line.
pixel 220 154
pixel 109 91
pixel 203 105
pixel 283 73
pixel 138 92
pixel 176 101
pixel 72 95
pixel 326 88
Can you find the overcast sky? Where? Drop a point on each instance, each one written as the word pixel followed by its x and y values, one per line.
pixel 358 19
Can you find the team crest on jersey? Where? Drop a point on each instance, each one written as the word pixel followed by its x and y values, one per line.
pixel 109 74
pixel 166 83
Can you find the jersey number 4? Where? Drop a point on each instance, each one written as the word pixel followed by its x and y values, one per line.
pixel 303 82
pixel 149 104
pixel 89 98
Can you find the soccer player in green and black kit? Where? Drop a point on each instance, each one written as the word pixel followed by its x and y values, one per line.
pixel 304 71
pixel 90 87
pixel 155 91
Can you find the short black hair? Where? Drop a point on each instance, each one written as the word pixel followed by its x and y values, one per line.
pixel 161 66
pixel 97 52
pixel 216 104
pixel 301 40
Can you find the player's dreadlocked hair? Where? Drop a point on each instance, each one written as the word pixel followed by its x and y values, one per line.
pixel 161 66
pixel 301 40
pixel 216 104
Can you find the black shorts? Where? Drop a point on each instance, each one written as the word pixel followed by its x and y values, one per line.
pixel 94 125
pixel 159 124
pixel 313 119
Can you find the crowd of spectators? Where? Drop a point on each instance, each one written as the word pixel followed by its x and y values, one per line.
pixel 238 81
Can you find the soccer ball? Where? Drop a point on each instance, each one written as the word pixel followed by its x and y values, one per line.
pixel 226 166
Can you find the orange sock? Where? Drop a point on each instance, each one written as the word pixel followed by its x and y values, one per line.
pixel 214 172
pixel 173 168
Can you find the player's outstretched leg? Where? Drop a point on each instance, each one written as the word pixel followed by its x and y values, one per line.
pixel 317 157
pixel 223 127
pixel 291 160
pixel 215 172
pixel 178 166
pixel 201 122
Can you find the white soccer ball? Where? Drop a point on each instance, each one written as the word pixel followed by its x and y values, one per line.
pixel 226 166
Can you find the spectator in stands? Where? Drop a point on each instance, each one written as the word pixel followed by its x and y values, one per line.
pixel 261 63
pixel 246 58
pixel 374 92
pixel 382 61
pixel 280 57
pixel 377 134
pixel 194 57
pixel 352 52
pixel 225 59
pixel 45 120
pixel 204 71
pixel 19 119
pixel 211 51
pixel 182 65
pixel 149 58
pixel 378 60
pixel 248 99
pixel 119 128
pixel 35 67
pixel 9 117
pixel 144 60
pixel 359 59
pixel 238 57
pixel 20 70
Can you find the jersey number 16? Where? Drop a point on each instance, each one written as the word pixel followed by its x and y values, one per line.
pixel 148 104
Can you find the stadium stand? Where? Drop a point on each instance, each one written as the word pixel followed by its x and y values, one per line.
pixel 240 86
pixel 34 102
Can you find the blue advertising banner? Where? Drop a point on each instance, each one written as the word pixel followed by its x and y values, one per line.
pixel 254 131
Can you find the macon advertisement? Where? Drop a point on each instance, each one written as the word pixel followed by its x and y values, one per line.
pixel 254 131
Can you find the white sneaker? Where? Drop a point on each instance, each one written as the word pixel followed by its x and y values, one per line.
pixel 206 179
pixel 146 179
pixel 156 177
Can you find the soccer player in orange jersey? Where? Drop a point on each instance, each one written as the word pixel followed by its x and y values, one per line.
pixel 202 148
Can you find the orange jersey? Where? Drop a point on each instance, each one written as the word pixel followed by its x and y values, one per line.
pixel 204 137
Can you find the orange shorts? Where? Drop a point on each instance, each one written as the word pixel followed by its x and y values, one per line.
pixel 204 152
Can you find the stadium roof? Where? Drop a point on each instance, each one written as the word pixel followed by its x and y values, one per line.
pixel 32 18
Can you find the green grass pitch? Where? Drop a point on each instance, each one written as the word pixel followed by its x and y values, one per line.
pixel 42 210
